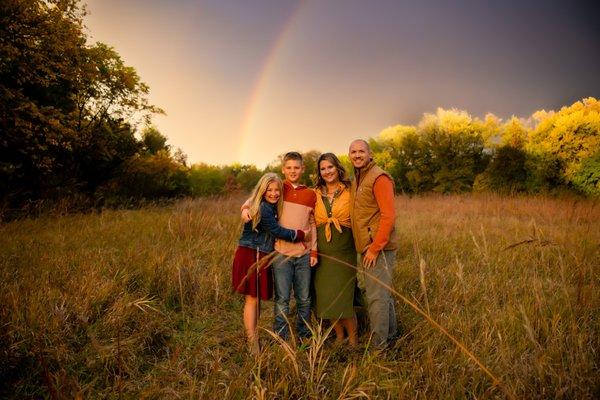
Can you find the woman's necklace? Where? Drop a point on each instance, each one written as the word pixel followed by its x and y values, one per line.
pixel 331 194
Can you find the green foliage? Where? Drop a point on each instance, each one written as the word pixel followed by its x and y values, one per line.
pixel 154 141
pixel 67 110
pixel 153 176
pixel 346 163
pixel 444 153
pixel 449 151
pixel 246 176
pixel 454 150
pixel 207 180
pixel 41 43
pixel 587 178
pixel 69 114
pixel 101 157
pixel 398 150
pixel 506 172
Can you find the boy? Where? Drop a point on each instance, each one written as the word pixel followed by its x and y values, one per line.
pixel 293 262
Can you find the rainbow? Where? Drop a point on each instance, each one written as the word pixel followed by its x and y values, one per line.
pixel 262 79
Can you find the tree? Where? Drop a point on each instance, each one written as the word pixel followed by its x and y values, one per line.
pixel 100 158
pixel 207 180
pixel 570 135
pixel 40 42
pixel 107 88
pixel 587 178
pixel 397 149
pixel 154 176
pixel 66 108
pixel 247 177
pixel 513 133
pixel 491 130
pixel 506 172
pixel 154 141
pixel 453 155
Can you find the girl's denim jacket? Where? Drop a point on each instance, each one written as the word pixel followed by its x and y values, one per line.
pixel 267 230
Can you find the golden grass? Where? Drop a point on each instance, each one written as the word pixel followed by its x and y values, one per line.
pixel 138 304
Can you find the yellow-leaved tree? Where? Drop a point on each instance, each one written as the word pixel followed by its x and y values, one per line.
pixel 571 136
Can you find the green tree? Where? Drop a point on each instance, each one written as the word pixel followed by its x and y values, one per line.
pixel 150 177
pixel 346 163
pixel 154 141
pixel 100 159
pixel 207 180
pixel 397 149
pixel 247 177
pixel 587 178
pixel 452 143
pixel 40 42
pixel 66 108
pixel 506 172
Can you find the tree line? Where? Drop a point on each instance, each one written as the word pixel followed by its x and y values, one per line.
pixel 75 123
pixel 450 151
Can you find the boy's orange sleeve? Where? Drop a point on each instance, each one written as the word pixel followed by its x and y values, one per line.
pixel 383 190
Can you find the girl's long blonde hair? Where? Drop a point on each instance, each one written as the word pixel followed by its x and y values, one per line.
pixel 259 191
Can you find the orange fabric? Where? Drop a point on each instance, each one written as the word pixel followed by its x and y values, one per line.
pixel 383 190
pixel 340 212
pixel 298 213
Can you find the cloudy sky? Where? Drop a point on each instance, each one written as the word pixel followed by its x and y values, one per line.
pixel 244 81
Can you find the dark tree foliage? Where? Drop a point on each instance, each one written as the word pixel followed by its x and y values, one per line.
pixel 66 108
pixel 507 171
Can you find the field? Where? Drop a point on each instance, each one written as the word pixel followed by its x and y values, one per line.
pixel 138 304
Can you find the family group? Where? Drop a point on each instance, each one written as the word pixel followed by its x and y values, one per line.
pixel 320 244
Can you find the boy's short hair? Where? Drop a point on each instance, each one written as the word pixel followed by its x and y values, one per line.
pixel 292 155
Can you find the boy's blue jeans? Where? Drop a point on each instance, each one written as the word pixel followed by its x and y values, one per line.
pixel 292 273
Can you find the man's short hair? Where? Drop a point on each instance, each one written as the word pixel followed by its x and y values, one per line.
pixel 364 142
pixel 292 155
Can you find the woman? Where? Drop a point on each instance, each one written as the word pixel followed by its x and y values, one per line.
pixel 335 278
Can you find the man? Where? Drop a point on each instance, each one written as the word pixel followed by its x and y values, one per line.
pixel 373 216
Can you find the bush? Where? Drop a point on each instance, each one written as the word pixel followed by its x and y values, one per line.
pixel 587 178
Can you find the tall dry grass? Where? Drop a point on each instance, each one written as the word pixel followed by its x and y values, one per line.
pixel 137 304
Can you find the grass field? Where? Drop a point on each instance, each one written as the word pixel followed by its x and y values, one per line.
pixel 138 304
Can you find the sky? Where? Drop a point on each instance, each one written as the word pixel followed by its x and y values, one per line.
pixel 245 81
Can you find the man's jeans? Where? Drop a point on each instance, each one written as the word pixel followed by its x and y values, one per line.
pixel 380 303
pixel 292 272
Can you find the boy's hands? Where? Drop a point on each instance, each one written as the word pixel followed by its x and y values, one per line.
pixel 313 261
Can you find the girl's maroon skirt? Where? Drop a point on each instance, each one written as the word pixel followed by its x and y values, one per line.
pixel 243 273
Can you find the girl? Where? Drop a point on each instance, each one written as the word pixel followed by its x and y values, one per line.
pixel 257 241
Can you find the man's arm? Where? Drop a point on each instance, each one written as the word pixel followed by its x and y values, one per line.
pixel 383 190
